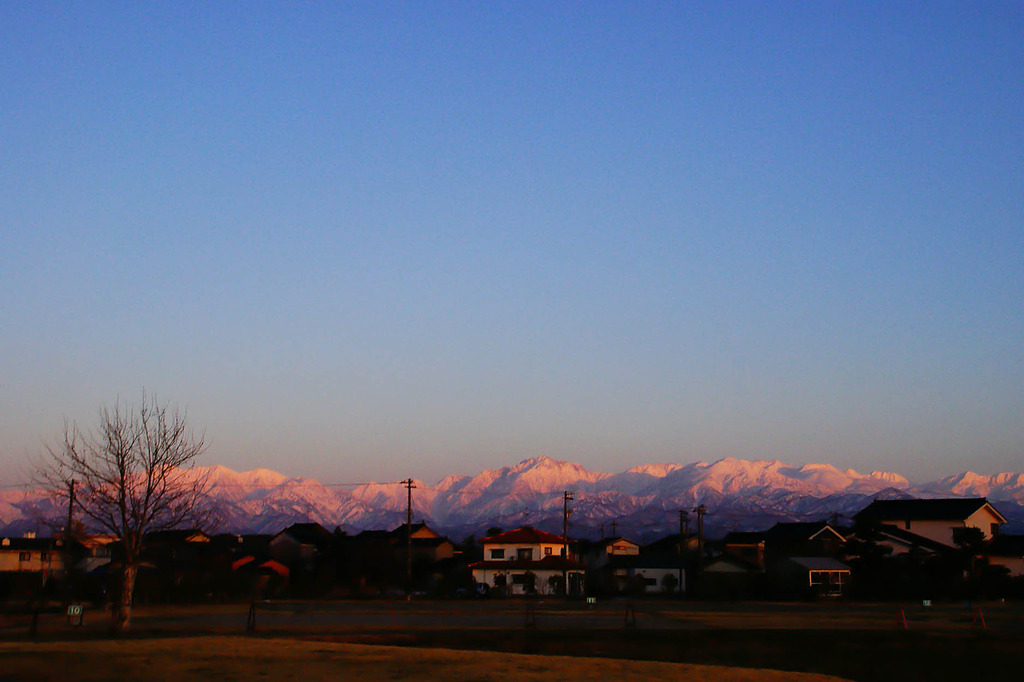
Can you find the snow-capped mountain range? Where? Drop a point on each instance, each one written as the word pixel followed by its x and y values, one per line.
pixel 642 502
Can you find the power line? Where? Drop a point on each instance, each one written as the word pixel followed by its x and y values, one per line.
pixel 290 484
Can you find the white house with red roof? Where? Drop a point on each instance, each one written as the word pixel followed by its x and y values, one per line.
pixel 527 560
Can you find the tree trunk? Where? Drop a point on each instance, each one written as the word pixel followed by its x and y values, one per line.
pixel 122 613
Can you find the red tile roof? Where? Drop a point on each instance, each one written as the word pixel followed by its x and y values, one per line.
pixel 524 535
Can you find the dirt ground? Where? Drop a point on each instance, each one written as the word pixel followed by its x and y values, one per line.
pixel 242 658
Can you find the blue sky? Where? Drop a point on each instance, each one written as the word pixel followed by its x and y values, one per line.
pixel 369 241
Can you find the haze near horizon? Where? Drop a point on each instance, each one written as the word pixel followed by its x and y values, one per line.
pixel 374 241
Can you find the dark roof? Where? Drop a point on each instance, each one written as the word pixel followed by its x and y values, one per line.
pixel 240 543
pixel 374 535
pixel 260 540
pixel 25 544
pixel 734 560
pixel 912 539
pixel 307 533
pixel 431 542
pixel 667 544
pixel 524 535
pixel 738 537
pixel 798 532
pixel 402 532
pixel 181 535
pixel 949 509
pixel 621 538
pixel 1006 545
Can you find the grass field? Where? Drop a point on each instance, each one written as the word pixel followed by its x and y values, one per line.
pixel 242 658
pixel 846 640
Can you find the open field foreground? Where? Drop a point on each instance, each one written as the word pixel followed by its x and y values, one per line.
pixel 865 642
pixel 241 658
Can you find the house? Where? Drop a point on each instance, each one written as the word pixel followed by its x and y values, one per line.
pixel 621 546
pixel 428 546
pixel 753 561
pixel 939 520
pixel 597 554
pixel 746 546
pixel 620 565
pixel 243 566
pixel 300 543
pixel 527 560
pixel 30 564
pixel 175 549
pixel 808 539
pixel 308 551
pixel 377 561
pixel 903 542
pixel 174 566
pixel 176 537
pixel 1007 551
pixel 810 577
pixel 647 574
pixel 32 555
pixel 419 531
pixel 732 576
pixel 672 545
pixel 93 552
pixel 784 539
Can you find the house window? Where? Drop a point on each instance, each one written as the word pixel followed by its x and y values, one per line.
pixel 519 579
pixel 547 551
pixel 497 554
pixel 994 529
pixel 524 554
pixel 906 525
pixel 44 557
pixel 24 556
pixel 829 581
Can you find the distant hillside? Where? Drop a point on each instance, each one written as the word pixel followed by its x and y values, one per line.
pixel 642 502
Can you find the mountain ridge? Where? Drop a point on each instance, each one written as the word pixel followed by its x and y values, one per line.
pixel 643 500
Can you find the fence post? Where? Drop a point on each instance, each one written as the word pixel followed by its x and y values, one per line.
pixel 629 620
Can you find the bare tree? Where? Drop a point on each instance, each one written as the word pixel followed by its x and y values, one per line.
pixel 133 475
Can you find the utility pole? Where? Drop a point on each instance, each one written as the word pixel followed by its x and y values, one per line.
pixel 566 498
pixel 68 534
pixel 615 532
pixel 682 546
pixel 701 510
pixel 408 539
